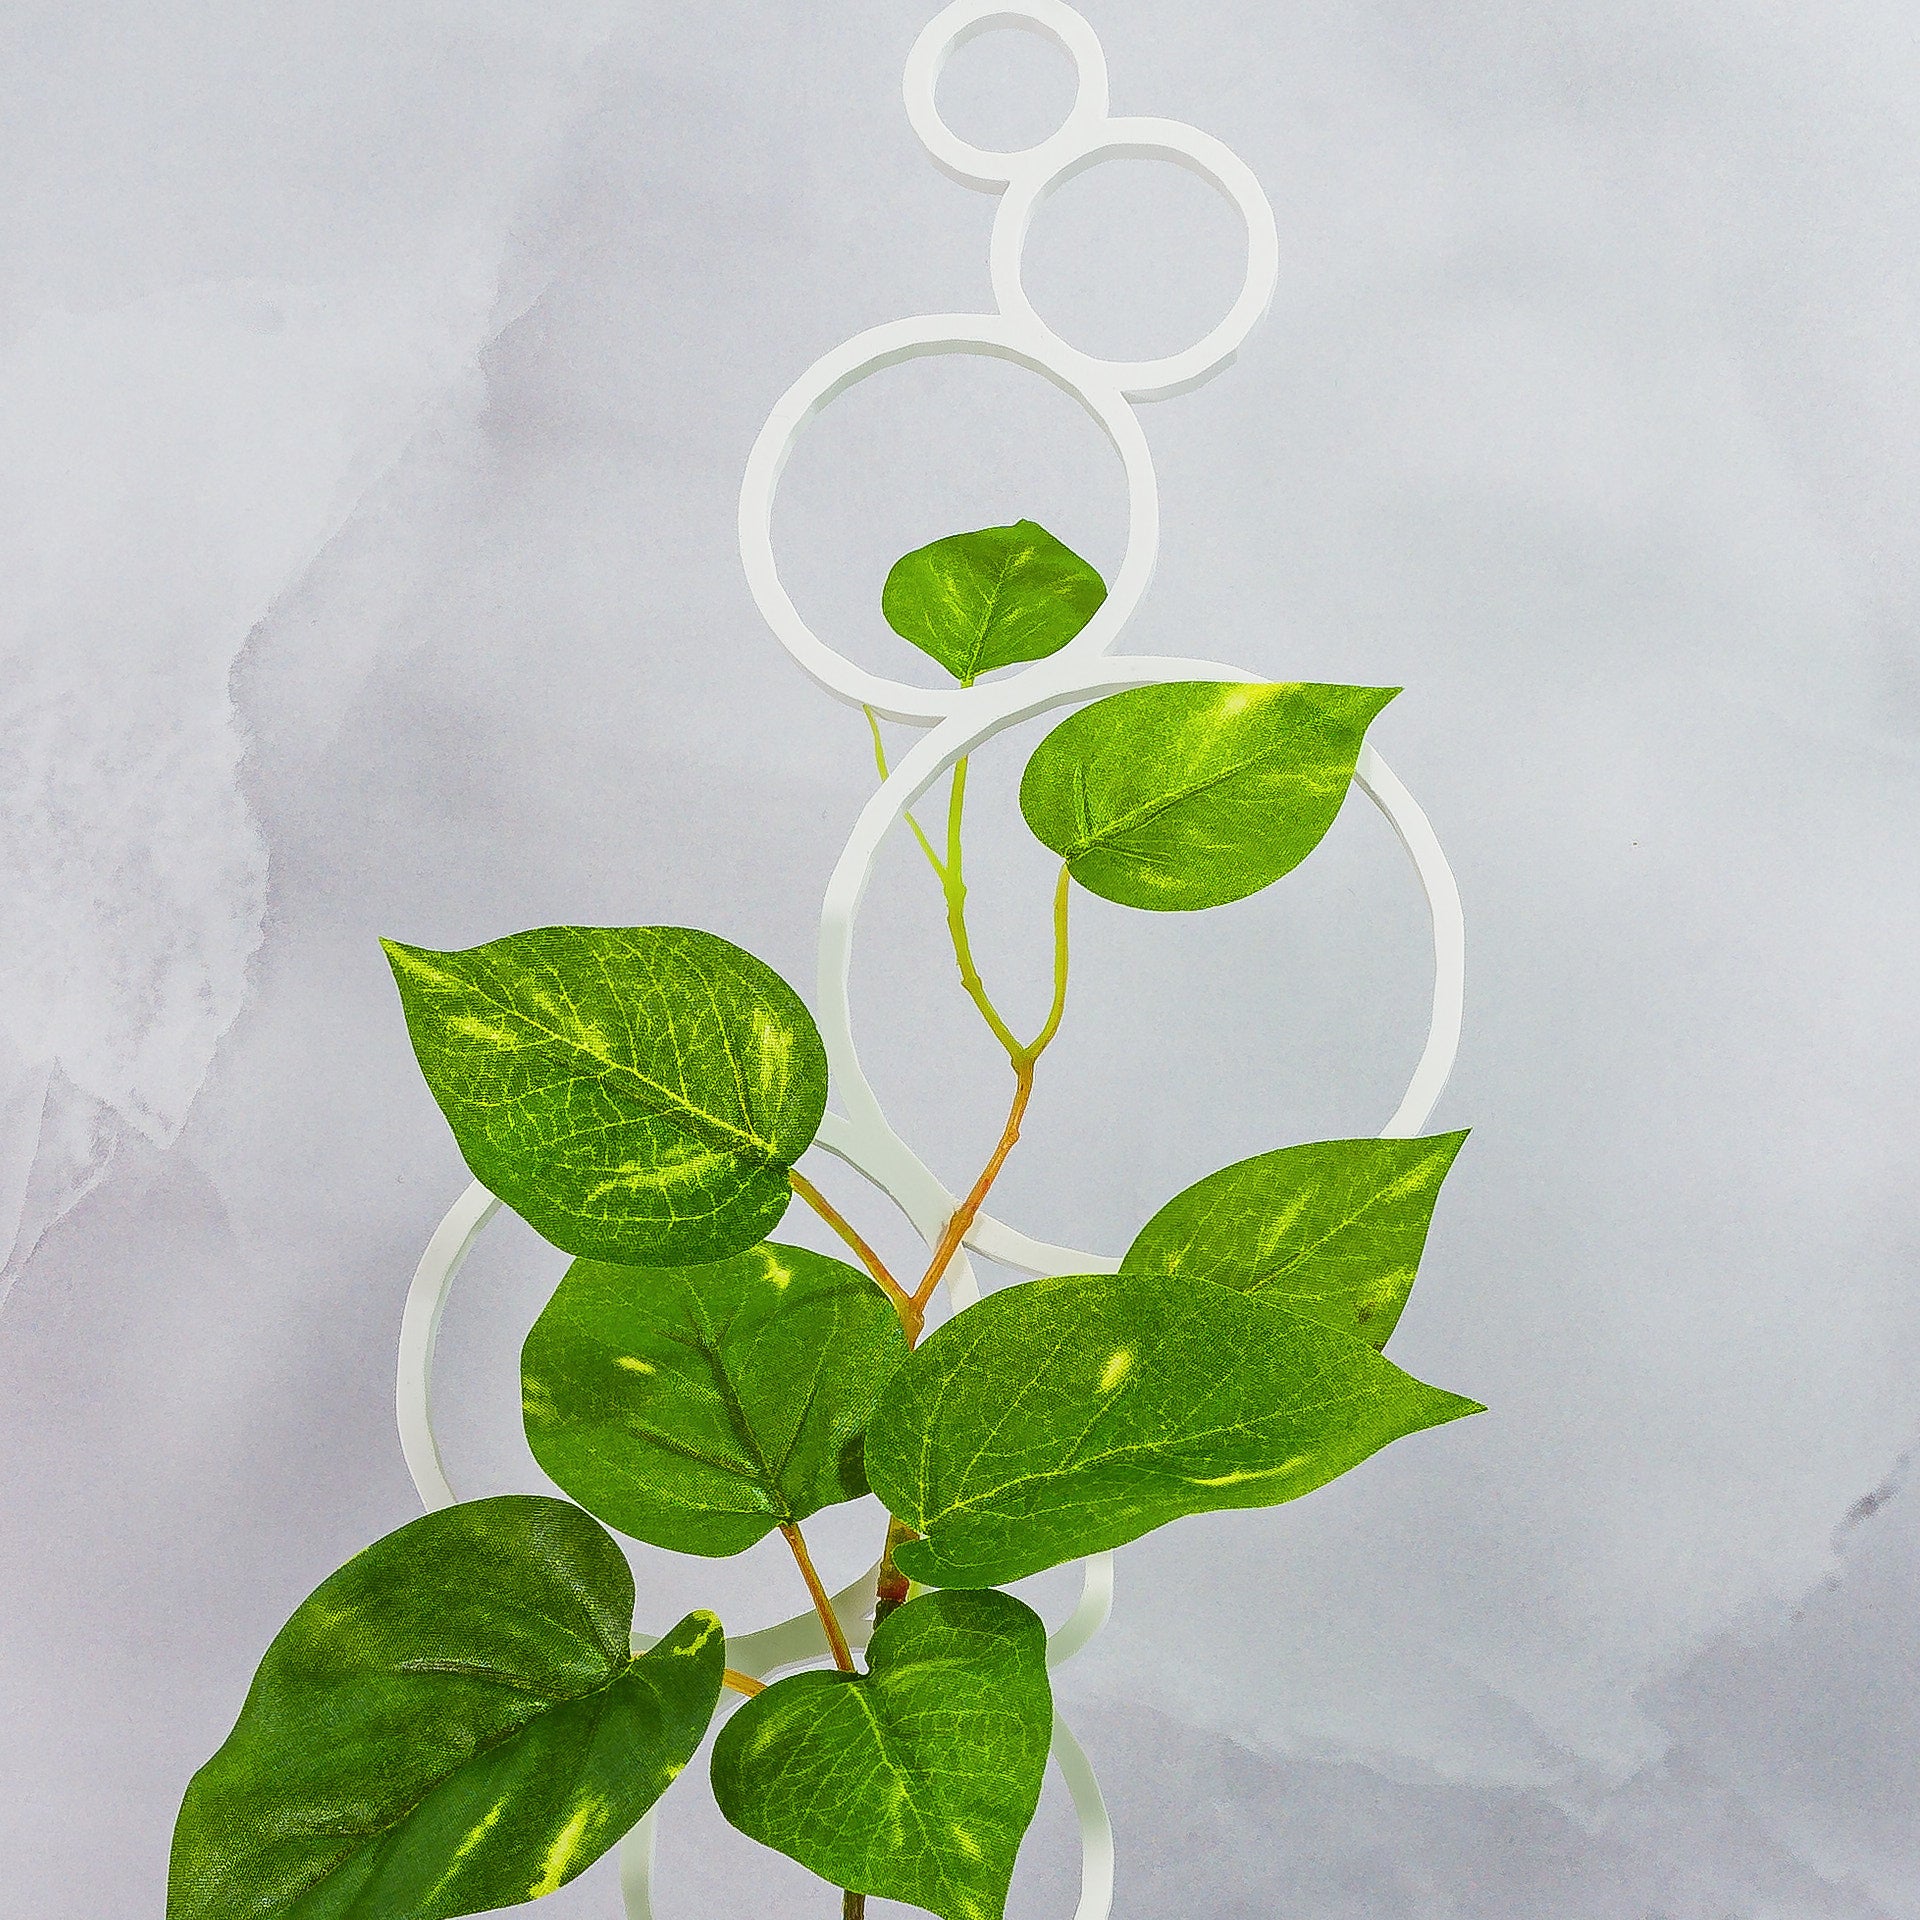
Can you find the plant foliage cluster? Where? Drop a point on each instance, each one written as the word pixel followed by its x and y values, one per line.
pixel 458 1720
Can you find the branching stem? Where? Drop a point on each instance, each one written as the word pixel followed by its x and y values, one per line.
pixel 818 1201
pixel 1023 1059
pixel 742 1682
pixel 953 885
pixel 962 1217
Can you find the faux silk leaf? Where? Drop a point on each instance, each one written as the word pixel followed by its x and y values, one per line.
pixel 700 1407
pixel 976 601
pixel 1195 793
pixel 1064 1416
pixel 452 1722
pixel 912 1781
pixel 1333 1230
pixel 635 1093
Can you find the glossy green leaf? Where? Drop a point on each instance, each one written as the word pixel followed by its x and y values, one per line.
pixel 635 1093
pixel 1333 1230
pixel 976 601
pixel 1193 794
pixel 700 1407
pixel 912 1781
pixel 452 1722
pixel 1064 1416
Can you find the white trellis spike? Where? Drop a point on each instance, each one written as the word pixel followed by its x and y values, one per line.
pixel 961 719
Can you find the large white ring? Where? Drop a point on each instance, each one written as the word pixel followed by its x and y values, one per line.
pixel 1026 343
pixel 863 1136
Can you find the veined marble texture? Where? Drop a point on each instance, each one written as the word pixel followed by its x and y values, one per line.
pixel 375 383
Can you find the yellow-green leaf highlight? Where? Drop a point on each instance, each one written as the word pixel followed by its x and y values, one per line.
pixel 1334 1229
pixel 1065 1416
pixel 1194 794
pixel 699 1407
pixel 451 1723
pixel 635 1093
pixel 912 1781
pixel 977 601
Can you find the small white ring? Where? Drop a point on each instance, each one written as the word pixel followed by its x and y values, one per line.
pixel 965 20
pixel 1139 139
pixel 1027 344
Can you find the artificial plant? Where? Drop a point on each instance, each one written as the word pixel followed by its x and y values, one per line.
pixel 456 1721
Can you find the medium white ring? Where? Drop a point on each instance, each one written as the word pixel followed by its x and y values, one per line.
pixel 1139 139
pixel 965 20
pixel 990 336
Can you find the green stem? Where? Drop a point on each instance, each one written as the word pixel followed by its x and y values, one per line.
pixel 1023 1058
pixel 953 884
pixel 880 761
pixel 1044 1038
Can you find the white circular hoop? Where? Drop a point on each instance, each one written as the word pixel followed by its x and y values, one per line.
pixel 1026 344
pixel 1168 374
pixel 962 719
pixel 863 1136
pixel 966 20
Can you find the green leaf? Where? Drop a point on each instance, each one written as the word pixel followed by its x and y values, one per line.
pixel 1333 1230
pixel 915 1780
pixel 700 1407
pixel 1064 1416
pixel 976 601
pixel 635 1093
pixel 452 1722
pixel 1194 793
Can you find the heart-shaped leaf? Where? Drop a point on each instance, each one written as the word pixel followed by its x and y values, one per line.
pixel 976 601
pixel 635 1093
pixel 452 1722
pixel 1064 1416
pixel 914 1780
pixel 1195 793
pixel 1333 1230
pixel 700 1407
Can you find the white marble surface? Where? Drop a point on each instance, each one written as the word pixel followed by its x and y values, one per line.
pixel 374 385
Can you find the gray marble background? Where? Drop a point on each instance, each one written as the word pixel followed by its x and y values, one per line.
pixel 376 384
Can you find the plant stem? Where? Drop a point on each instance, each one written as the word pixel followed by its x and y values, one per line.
pixel 823 1606
pixel 880 761
pixel 743 1682
pixel 953 885
pixel 893 1586
pixel 853 1906
pixel 1044 1038
pixel 818 1201
pixel 963 1215
pixel 1023 1059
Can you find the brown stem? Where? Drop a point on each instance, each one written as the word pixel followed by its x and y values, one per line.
pixel 963 1215
pixel 818 1201
pixel 836 1639
pixel 894 1585
pixel 742 1682
pixel 853 1906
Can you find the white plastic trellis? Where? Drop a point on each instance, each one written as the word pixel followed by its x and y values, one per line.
pixel 959 720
